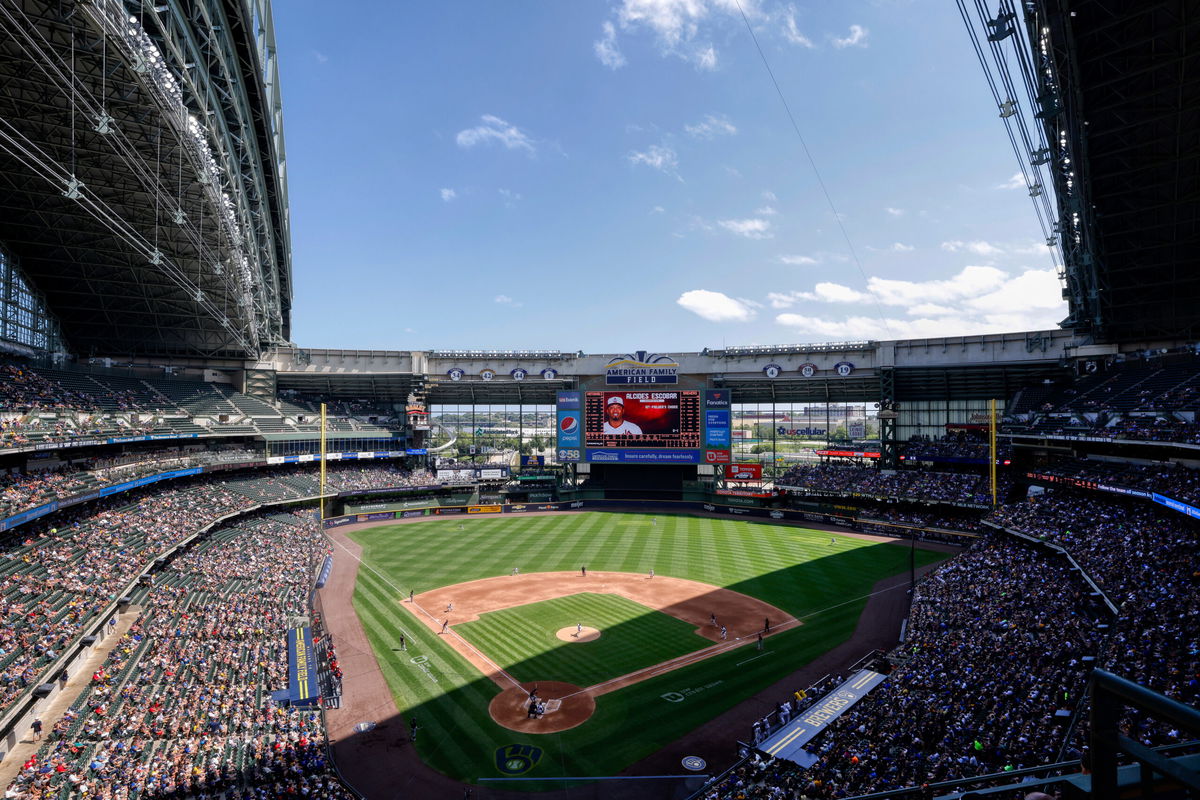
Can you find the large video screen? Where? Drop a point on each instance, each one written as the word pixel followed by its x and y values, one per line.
pixel 649 419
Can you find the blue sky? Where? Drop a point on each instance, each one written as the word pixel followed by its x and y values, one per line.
pixel 610 176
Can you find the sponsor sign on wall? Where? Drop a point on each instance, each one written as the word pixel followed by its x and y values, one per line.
pixel 570 426
pixel 744 472
pixel 641 367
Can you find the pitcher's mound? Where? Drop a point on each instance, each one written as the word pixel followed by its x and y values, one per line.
pixel 566 707
pixel 573 634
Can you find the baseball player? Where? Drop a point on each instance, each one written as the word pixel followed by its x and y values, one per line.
pixel 445 626
pixel 578 629
pixel 403 646
pixel 724 633
pixel 410 595
pixel 713 619
pixel 449 607
pixel 516 570
pixel 652 572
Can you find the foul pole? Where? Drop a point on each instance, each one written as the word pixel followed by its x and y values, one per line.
pixel 992 447
pixel 322 488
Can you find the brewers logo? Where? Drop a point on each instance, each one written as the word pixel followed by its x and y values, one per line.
pixel 517 759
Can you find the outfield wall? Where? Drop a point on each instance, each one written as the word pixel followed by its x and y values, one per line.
pixel 656 507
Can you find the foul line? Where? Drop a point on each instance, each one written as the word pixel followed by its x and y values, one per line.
pixel 400 592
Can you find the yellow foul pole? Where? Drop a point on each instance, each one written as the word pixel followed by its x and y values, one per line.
pixel 992 447
pixel 323 462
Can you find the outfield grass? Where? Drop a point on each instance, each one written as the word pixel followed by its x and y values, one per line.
pixel 792 568
pixel 522 640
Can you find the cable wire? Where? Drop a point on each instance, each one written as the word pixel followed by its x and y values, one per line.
pixel 816 172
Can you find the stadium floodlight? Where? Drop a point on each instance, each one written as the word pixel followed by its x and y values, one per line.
pixel 103 123
pixel 72 191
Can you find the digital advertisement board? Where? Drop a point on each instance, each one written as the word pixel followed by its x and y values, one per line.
pixel 644 426
pixel 657 420
pixel 570 427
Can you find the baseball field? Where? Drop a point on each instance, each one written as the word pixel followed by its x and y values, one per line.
pixel 623 660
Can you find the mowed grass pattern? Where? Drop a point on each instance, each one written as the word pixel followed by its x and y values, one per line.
pixel 798 570
pixel 523 641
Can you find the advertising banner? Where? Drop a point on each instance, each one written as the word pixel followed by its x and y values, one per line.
pixel 744 472
pixel 570 426
pixel 717 457
pixel 643 456
pixel 302 668
pixel 533 461
pixel 641 367
pixel 484 509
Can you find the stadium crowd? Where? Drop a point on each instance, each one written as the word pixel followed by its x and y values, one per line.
pixel 908 484
pixel 991 667
pixel 56 575
pixel 1144 559
pixel 950 446
pixel 183 705
pixel 23 491
pixel 1171 480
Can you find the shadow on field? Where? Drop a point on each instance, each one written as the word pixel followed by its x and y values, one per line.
pixel 455 735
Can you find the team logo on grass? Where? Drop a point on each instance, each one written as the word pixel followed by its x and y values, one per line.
pixel 517 759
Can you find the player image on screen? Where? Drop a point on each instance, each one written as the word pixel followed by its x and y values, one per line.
pixel 614 418
pixel 646 419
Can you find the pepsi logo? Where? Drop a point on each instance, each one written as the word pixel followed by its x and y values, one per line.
pixel 569 424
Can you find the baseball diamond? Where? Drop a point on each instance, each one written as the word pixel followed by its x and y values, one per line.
pixel 660 668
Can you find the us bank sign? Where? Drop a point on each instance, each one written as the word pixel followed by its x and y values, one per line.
pixel 641 367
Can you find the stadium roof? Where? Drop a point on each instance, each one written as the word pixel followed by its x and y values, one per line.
pixel 1121 96
pixel 142 181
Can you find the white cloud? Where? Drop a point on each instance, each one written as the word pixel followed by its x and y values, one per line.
pixel 784 299
pixel 857 38
pixel 791 31
pixel 496 130
pixel 510 197
pixel 448 195
pixel 717 307
pixel 606 48
pixel 930 310
pixel 901 247
pixel 1017 181
pixel 895 212
pixel 979 248
pixel 733 172
pixel 503 299
pixel 750 228
pixel 659 157
pixel 769 196
pixel 797 260
pixel 712 127
pixel 657 210
pixel 766 211
pixel 679 24
pixel 976 300
pixel 320 57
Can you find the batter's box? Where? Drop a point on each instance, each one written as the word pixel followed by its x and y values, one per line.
pixel 553 705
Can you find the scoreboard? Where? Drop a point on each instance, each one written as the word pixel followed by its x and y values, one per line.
pixel 648 426
pixel 657 420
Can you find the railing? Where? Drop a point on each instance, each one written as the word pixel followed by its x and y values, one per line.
pixel 1110 694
